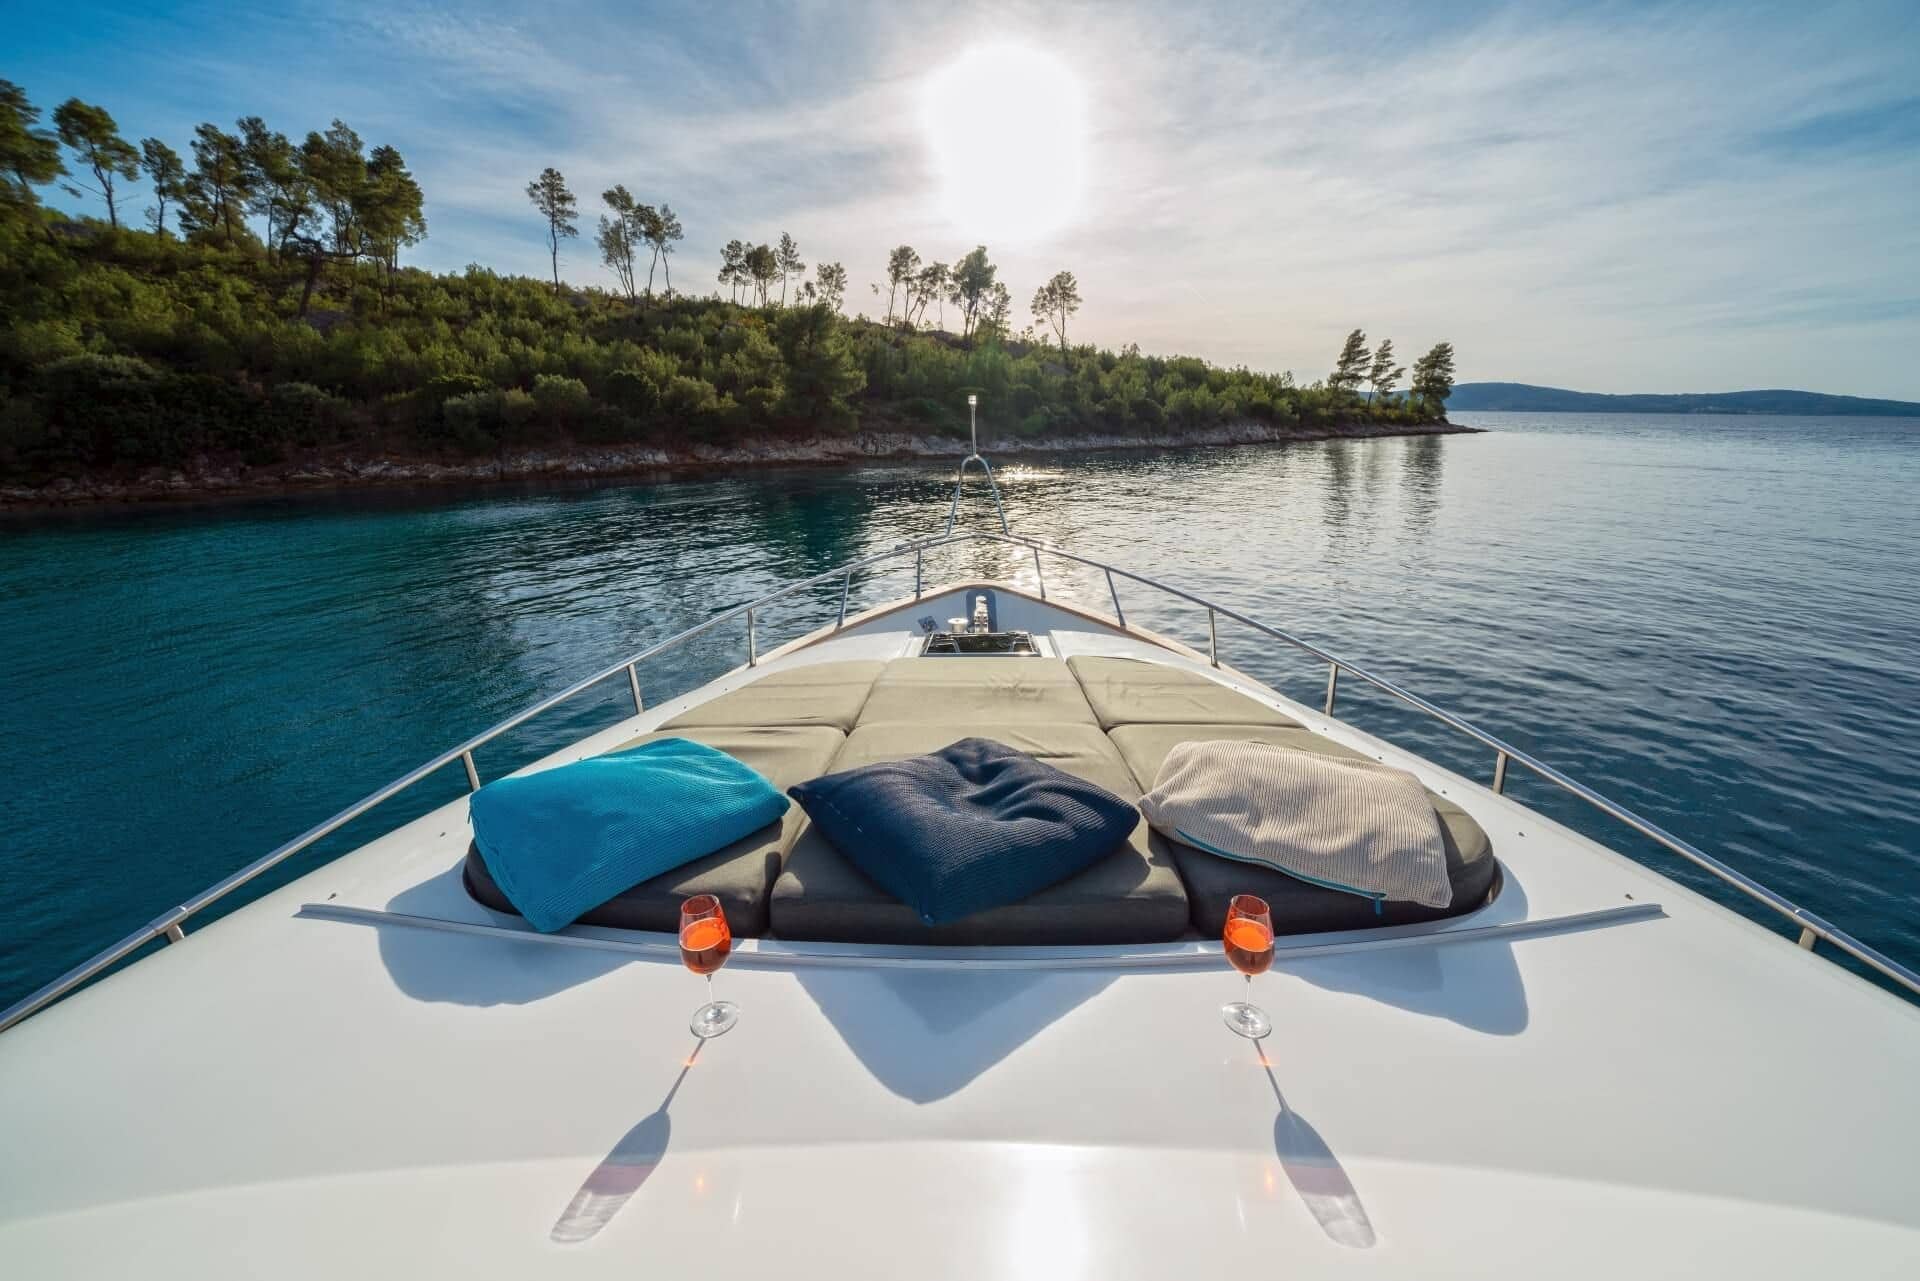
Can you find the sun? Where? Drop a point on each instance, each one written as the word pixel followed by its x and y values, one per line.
pixel 1006 132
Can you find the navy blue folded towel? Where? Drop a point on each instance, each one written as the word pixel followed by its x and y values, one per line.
pixel 972 826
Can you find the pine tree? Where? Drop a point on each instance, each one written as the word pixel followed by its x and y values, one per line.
pixel 616 251
pixel 903 262
pixel 970 283
pixel 29 155
pixel 929 285
pixel 618 234
pixel 1055 301
pixel 393 210
pixel 763 268
pixel 662 230
pixel 556 204
pixel 215 194
pixel 733 268
pixel 1352 366
pixel 276 178
pixel 1382 376
pixel 168 176
pixel 96 139
pixel 832 279
pixel 1433 377
pixel 787 258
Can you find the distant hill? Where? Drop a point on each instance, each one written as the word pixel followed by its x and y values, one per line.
pixel 1555 400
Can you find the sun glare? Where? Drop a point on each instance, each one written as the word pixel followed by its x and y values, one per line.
pixel 1007 132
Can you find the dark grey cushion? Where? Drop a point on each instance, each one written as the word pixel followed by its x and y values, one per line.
pixel 740 875
pixel 1133 895
pixel 1300 908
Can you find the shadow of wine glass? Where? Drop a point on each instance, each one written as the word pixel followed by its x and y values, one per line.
pixel 1316 1174
pixel 622 1171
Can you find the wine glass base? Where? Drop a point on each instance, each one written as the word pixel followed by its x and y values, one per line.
pixel 714 1018
pixel 1246 1020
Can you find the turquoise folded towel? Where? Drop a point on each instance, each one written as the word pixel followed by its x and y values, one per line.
pixel 562 842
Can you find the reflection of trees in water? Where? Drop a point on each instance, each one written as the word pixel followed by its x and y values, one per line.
pixel 1373 457
pixel 1420 462
pixel 1336 493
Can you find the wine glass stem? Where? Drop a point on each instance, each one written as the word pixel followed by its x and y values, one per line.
pixel 709 989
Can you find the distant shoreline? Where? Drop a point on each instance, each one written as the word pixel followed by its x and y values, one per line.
pixel 1525 398
pixel 214 479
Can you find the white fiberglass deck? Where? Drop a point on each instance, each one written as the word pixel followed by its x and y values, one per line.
pixel 1599 1071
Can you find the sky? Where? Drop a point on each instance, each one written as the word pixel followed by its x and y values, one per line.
pixel 1623 197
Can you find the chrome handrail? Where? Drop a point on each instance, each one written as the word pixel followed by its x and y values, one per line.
pixel 959 483
pixel 168 925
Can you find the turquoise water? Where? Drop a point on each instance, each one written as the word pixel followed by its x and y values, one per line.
pixel 1714 620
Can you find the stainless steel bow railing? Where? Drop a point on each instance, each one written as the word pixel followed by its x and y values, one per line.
pixel 169 925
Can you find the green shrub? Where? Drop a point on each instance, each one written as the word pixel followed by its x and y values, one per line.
pixel 439 390
pixel 23 439
pixel 926 409
pixel 40 342
pixel 91 375
pixel 633 390
pixel 472 422
pixel 518 411
pixel 688 398
pixel 103 409
pixel 305 415
pixel 563 401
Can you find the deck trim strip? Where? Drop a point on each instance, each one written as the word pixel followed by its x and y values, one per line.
pixel 1192 955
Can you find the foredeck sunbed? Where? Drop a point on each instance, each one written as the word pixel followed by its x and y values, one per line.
pixel 1108 721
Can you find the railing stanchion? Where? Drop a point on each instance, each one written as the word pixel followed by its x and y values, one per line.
pixel 473 771
pixel 1808 938
pixel 1039 573
pixel 919 558
pixel 1213 639
pixel 1499 772
pixel 1333 683
pixel 633 683
pixel 1119 616
pixel 846 585
pixel 174 934
pixel 753 653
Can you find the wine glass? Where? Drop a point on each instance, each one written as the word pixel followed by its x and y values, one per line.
pixel 1249 942
pixel 705 942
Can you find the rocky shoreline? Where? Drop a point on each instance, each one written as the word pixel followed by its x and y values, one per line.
pixel 210 478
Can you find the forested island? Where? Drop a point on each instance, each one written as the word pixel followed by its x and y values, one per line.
pixel 1556 400
pixel 258 328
